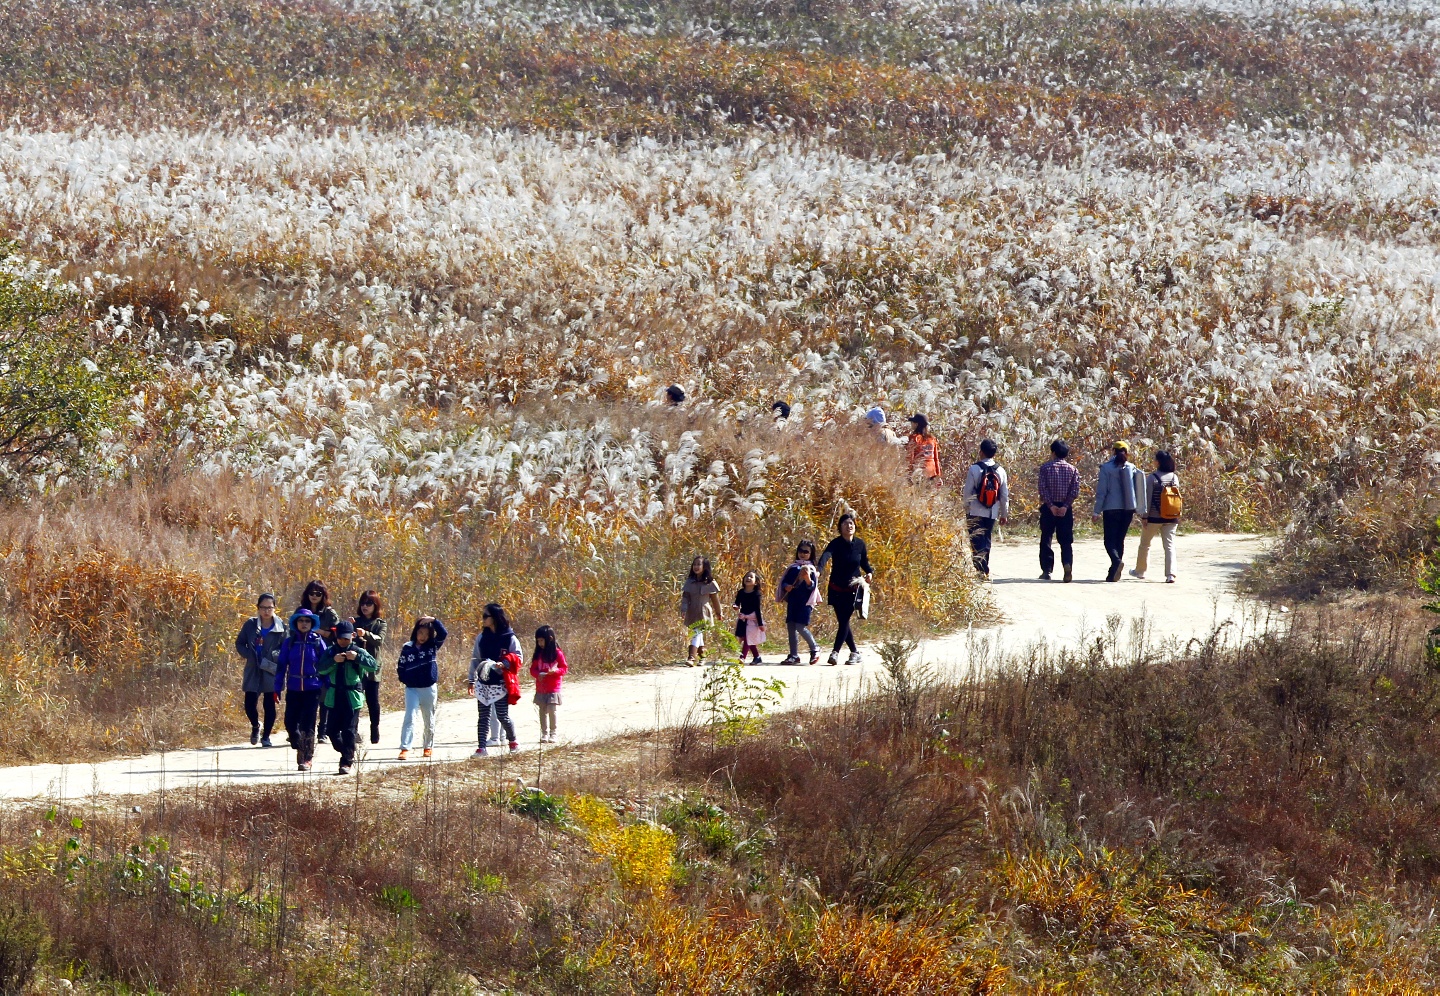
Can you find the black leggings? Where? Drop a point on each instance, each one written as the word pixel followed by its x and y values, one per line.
pixel 843 636
pixel 252 703
pixel 372 702
pixel 502 712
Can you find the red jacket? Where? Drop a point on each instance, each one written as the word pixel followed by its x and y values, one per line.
pixel 549 681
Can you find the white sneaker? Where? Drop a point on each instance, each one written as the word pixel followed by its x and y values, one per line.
pixel 1170 579
pixel 1137 574
pixel 853 659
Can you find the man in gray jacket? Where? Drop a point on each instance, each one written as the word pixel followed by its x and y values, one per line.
pixel 1118 493
pixel 987 498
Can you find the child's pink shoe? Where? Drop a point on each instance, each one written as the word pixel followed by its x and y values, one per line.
pixel 514 746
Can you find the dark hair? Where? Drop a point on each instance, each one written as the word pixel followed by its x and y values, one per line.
pixel 988 447
pixel 312 587
pixel 1165 462
pixel 551 653
pixel 415 631
pixel 922 424
pixel 1060 449
pixel 841 521
pixel 262 598
pixel 373 597
pixel 675 394
pixel 805 545
pixel 782 408
pixel 704 569
pixel 502 621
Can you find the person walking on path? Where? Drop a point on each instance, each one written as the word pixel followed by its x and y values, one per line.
pixel 750 617
pixel 497 652
pixel 924 451
pixel 419 672
pixel 316 599
pixel 699 603
pixel 987 501
pixel 1119 491
pixel 548 668
pixel 344 665
pixel 369 624
pixel 1162 516
pixel 799 589
pixel 298 679
pixel 259 643
pixel 850 574
pixel 1059 486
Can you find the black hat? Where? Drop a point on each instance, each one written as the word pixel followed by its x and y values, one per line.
pixel 675 394
pixel 782 408
pixel 344 628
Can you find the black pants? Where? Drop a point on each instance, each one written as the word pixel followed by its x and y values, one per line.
pixel 343 728
pixel 843 635
pixel 502 713
pixel 324 725
pixel 300 712
pixel 372 703
pixel 981 526
pixel 1061 528
pixel 252 709
pixel 1117 524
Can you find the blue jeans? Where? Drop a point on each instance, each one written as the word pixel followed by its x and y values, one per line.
pixel 424 700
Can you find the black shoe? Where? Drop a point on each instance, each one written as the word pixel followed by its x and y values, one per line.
pixel 374 734
pixel 1045 576
pixel 254 735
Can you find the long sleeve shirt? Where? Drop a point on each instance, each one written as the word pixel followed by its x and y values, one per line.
pixel 851 560
pixel 1058 483
pixel 973 477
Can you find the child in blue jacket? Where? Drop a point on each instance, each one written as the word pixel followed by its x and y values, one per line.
pixel 299 681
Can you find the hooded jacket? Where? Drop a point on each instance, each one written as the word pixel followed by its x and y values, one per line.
pixel 417 667
pixel 256 678
pixel 297 658
pixel 343 677
pixel 547 682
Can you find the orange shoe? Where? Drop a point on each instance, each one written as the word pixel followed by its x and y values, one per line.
pixel 404 753
pixel 428 752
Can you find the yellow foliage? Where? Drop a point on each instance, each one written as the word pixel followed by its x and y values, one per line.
pixel 641 854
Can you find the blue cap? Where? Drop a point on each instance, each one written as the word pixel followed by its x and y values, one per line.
pixel 876 415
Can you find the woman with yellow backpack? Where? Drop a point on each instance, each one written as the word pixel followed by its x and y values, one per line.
pixel 1163 507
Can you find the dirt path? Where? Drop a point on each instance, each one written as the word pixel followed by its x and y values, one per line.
pixel 1033 610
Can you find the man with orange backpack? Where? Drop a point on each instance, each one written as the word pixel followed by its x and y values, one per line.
pixel 987 497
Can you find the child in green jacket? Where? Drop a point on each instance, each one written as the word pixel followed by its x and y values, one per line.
pixel 345 666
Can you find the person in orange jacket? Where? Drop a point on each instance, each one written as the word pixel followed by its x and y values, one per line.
pixel 925 450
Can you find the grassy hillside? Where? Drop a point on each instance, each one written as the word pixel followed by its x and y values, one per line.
pixel 1075 824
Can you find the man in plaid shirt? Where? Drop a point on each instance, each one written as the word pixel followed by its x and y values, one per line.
pixel 1059 487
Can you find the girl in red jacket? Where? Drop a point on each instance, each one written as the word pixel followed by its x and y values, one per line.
pixel 548 668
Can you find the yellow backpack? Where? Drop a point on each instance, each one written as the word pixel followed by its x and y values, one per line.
pixel 1171 504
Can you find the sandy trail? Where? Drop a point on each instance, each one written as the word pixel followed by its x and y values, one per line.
pixel 1061 615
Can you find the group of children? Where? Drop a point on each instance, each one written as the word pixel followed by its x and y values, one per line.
pixel 799 590
pixel 327 670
